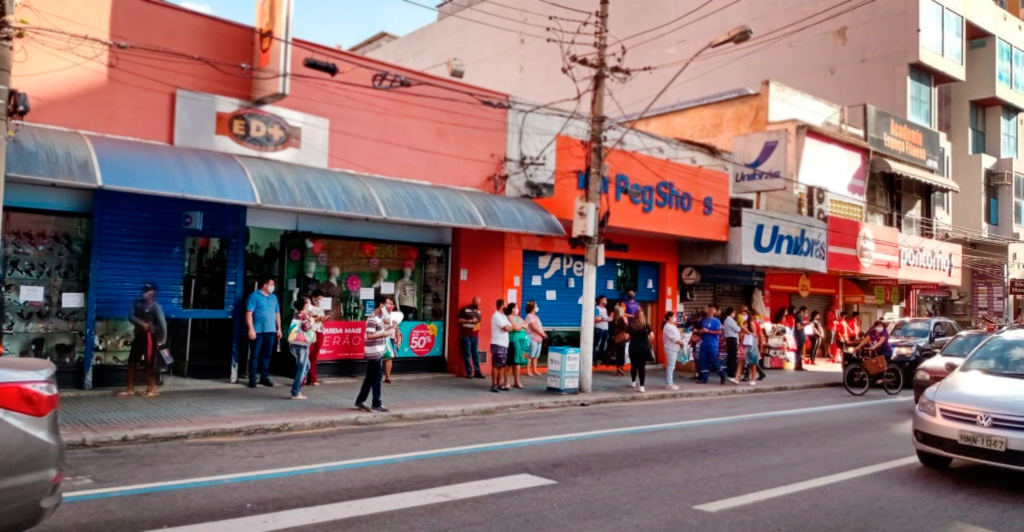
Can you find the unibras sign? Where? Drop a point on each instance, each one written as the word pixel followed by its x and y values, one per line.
pixel 760 162
pixel 779 240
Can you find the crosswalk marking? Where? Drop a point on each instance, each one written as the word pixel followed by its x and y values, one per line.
pixel 344 510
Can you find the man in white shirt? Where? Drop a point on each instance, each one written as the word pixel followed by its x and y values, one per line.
pixel 500 327
pixel 601 328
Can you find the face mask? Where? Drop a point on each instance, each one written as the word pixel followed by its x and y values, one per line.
pixel 536 310
pixel 270 289
pixel 630 297
pixel 879 328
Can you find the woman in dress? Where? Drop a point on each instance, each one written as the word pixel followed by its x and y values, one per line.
pixel 640 337
pixel 519 345
pixel 619 334
pixel 536 334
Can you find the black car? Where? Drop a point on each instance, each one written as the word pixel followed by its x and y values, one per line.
pixel 910 339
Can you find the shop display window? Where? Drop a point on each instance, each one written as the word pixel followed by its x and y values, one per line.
pixel 205 276
pixel 113 342
pixel 46 271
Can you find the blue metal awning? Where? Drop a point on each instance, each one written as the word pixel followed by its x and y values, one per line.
pixel 69 158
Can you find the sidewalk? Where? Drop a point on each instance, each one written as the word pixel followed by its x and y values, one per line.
pixel 195 409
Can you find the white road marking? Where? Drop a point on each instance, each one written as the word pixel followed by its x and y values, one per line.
pixel 957 526
pixel 387 503
pixel 773 493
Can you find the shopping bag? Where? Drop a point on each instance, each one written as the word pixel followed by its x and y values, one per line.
pixel 165 355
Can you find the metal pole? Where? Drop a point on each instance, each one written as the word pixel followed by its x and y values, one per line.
pixel 6 42
pixel 595 180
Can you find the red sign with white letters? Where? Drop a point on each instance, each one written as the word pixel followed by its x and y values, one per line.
pixel 421 340
pixel 343 340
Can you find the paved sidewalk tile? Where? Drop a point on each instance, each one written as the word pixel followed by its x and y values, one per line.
pixel 98 416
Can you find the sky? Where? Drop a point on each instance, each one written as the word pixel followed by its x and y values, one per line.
pixel 331 22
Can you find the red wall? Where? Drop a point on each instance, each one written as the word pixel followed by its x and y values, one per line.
pixel 479 253
pixel 408 133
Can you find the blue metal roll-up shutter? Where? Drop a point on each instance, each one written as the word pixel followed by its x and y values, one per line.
pixel 140 239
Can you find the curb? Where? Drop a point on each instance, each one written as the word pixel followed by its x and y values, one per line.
pixel 80 440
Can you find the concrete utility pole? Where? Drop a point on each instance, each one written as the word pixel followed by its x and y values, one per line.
pixel 595 180
pixel 6 44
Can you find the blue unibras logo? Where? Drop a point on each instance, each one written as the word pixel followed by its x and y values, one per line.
pixel 755 174
pixel 793 245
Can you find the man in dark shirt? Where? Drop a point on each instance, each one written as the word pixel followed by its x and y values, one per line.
pixel 798 335
pixel 469 338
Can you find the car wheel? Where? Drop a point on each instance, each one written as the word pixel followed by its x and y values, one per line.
pixel 934 461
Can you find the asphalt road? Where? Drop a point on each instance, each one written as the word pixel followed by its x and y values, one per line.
pixel 727 464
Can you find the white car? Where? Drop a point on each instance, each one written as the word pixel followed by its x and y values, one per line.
pixel 977 413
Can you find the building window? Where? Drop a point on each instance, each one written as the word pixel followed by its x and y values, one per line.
pixel 953 42
pixel 1004 63
pixel 1008 130
pixel 931 29
pixel 1018 71
pixel 977 128
pixel 1018 199
pixel 920 97
pixel 940 204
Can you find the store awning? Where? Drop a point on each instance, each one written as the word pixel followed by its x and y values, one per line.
pixel 341 193
pixel 52 156
pixel 883 165
pixel 46 156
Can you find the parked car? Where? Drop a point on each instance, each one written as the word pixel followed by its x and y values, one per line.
pixel 935 368
pixel 33 452
pixel 977 413
pixel 909 336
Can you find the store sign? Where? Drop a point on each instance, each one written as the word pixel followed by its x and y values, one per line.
pixel 903 139
pixel 803 286
pixel 217 123
pixel 884 292
pixel 343 340
pixel 421 339
pixel 834 167
pixel 273 54
pixel 1015 260
pixel 858 247
pixel 1017 287
pixel 646 194
pixel 779 240
pixel 760 162
pixel 930 261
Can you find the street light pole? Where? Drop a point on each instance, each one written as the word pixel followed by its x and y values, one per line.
pixel 595 179
pixel 6 64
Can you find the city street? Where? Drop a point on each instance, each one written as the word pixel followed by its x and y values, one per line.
pixel 806 460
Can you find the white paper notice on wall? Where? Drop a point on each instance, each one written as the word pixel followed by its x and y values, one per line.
pixel 513 296
pixel 463 274
pixel 669 290
pixel 650 284
pixel 611 285
pixel 325 303
pixel 551 295
pixel 366 294
pixel 668 304
pixel 515 281
pixel 572 283
pixel 387 288
pixel 72 300
pixel 579 301
pixel 30 294
pixel 536 280
pixel 293 284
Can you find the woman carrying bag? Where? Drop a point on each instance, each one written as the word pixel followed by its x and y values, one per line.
pixel 620 337
pixel 640 337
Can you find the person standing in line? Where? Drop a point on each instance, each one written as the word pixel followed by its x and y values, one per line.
pixel 263 316
pixel 378 330
pixel 300 337
pixel 842 336
pixel 831 325
pixel 469 338
pixel 731 331
pixel 618 338
pixel 518 347
pixel 500 327
pixel 393 343
pixel 673 343
pixel 800 336
pixel 816 340
pixel 640 337
pixel 601 329
pixel 853 323
pixel 536 334
pixel 150 334
pixel 317 316
pixel 789 317
pixel 710 331
pixel 632 306
pixel 752 354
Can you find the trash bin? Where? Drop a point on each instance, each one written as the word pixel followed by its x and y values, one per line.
pixel 564 369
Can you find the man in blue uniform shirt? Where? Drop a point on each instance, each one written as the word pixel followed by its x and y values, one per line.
pixel 711 330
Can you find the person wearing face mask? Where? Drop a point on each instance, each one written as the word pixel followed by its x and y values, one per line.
pixel 632 306
pixel 150 333
pixel 877 340
pixel 317 316
pixel 263 316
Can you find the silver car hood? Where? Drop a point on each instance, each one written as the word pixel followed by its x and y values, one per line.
pixel 980 391
pixel 938 362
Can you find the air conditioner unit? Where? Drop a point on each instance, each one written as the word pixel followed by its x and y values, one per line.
pixel 1000 179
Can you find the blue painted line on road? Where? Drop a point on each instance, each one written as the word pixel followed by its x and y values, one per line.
pixel 236 478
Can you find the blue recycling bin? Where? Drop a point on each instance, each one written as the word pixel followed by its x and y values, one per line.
pixel 564 370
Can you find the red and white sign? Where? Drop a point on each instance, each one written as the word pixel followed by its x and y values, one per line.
pixel 858 247
pixel 421 340
pixel 836 167
pixel 930 261
pixel 343 340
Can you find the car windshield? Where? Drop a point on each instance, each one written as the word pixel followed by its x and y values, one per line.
pixel 962 346
pixel 1000 356
pixel 912 329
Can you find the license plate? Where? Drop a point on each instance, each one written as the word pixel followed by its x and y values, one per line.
pixel 992 443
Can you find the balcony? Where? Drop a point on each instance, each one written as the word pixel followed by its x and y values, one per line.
pixel 988 86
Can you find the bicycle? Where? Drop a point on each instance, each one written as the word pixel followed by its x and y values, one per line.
pixel 867 367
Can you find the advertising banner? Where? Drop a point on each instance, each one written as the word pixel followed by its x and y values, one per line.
pixel 760 162
pixel 834 167
pixel 930 261
pixel 778 240
pixel 421 339
pixel 858 247
pixel 273 54
pixel 903 139
pixel 343 340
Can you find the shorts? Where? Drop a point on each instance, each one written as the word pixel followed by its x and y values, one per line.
pixel 499 356
pixel 535 349
pixel 753 357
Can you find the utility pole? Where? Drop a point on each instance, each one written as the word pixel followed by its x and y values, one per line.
pixel 594 183
pixel 6 45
